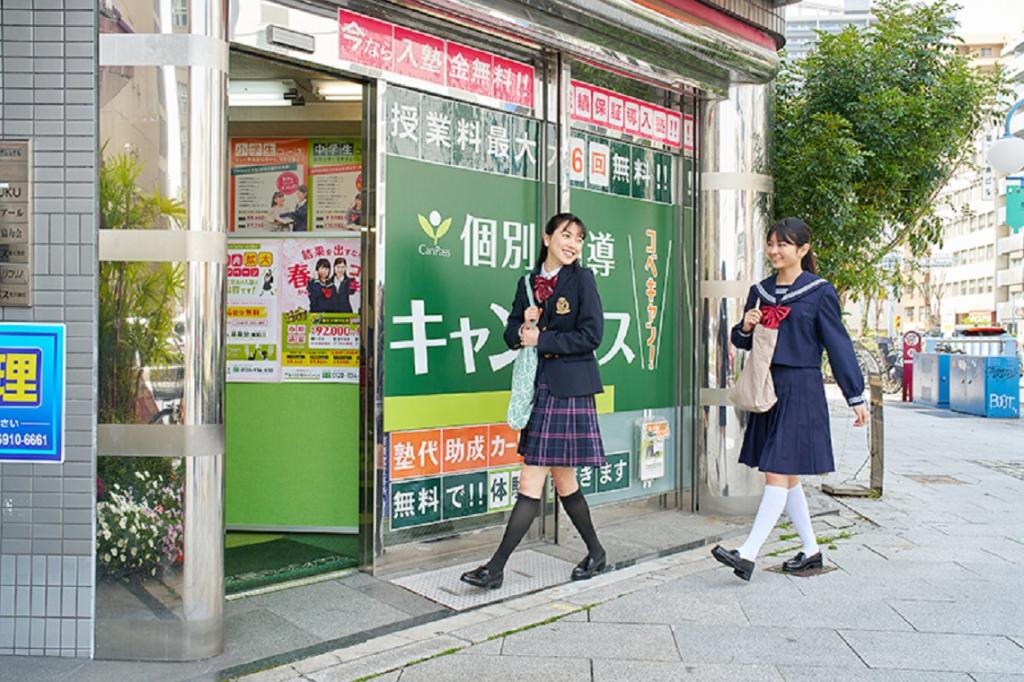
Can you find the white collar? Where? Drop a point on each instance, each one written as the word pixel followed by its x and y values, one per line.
pixel 548 275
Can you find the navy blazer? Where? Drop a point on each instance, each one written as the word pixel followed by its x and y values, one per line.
pixel 571 328
pixel 814 324
pixel 340 301
pixel 300 216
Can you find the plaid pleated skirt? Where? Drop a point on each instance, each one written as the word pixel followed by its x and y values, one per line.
pixel 562 432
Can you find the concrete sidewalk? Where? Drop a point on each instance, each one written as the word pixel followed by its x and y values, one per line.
pixel 926 585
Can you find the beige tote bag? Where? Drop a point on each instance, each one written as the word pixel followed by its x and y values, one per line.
pixel 754 390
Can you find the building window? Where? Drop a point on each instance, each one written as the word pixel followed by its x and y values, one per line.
pixel 179 13
pixel 986 52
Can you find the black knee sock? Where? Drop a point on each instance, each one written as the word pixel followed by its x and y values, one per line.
pixel 523 514
pixel 579 513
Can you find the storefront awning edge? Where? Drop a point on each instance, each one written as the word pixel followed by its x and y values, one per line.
pixel 625 36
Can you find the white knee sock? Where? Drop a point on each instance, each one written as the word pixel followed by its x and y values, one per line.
pixel 796 509
pixel 772 503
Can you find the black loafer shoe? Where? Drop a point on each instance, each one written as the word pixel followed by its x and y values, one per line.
pixel 801 562
pixel 589 567
pixel 731 558
pixel 482 577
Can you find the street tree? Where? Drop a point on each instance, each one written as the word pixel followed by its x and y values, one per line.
pixel 869 127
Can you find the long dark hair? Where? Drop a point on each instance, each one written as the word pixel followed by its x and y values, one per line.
pixel 556 222
pixel 796 232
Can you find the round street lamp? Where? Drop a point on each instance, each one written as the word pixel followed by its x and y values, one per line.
pixel 1007 153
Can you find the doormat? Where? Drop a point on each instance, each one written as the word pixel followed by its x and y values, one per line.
pixel 525 572
pixel 250 563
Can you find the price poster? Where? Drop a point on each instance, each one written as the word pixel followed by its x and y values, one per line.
pixel 269 191
pixel 653 435
pixel 253 321
pixel 319 308
pixel 336 179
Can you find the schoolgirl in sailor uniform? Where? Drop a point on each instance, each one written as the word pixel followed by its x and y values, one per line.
pixel 566 327
pixel 792 439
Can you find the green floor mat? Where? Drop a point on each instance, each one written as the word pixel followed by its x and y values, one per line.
pixel 251 565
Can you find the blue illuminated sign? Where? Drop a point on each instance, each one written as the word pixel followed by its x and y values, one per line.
pixel 31 392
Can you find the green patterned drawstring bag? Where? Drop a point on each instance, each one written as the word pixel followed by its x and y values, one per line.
pixel 524 379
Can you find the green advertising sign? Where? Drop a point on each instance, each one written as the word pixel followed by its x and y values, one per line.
pixel 462 225
pixel 614 475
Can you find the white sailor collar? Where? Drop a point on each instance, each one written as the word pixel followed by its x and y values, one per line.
pixel 803 285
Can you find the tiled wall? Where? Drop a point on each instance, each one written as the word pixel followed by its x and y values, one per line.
pixel 48 94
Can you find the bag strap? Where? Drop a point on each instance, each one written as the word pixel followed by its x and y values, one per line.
pixel 529 290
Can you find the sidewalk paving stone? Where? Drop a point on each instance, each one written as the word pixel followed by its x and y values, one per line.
pixel 661 606
pixel 699 643
pixel 624 641
pixel 811 674
pixel 832 612
pixel 503 668
pixel 649 671
pixel 993 616
pixel 939 652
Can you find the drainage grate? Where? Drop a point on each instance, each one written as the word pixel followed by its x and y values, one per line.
pixel 525 572
pixel 1013 468
pixel 940 479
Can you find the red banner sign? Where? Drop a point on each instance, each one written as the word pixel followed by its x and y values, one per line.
pixel 381 45
pixel 624 114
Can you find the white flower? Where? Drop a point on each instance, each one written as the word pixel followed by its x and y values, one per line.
pixel 114 551
pixel 106 558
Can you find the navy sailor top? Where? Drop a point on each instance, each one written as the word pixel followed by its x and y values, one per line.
pixel 814 324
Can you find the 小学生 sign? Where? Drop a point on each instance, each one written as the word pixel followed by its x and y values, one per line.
pixel 32 392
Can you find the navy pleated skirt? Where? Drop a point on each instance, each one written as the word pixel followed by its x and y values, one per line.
pixel 562 432
pixel 793 437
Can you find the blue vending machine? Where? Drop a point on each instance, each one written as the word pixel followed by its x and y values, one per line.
pixel 986 386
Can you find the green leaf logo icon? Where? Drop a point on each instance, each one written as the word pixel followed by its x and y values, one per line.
pixel 434 226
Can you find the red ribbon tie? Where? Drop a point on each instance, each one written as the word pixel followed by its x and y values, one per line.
pixel 773 315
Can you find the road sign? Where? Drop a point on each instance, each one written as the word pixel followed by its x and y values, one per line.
pixel 1015 206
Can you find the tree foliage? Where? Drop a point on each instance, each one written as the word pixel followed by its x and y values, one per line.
pixel 869 127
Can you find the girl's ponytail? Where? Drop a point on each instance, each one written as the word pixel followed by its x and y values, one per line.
pixel 810 262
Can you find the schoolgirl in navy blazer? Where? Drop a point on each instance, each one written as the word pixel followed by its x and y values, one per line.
pixel 571 328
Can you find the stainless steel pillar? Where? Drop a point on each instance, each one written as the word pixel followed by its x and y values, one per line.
pixel 182 47
pixel 735 196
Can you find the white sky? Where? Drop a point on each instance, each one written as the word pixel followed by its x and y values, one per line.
pixel 1003 17
pixel 992 16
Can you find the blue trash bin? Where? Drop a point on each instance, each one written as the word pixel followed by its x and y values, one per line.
pixel 986 386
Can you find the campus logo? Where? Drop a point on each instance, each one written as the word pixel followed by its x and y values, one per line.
pixel 436 227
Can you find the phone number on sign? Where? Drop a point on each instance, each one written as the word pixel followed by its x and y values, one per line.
pixel 333 336
pixel 24 440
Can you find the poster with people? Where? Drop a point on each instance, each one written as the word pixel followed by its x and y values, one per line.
pixel 319 303
pixel 295 185
pixel 336 180
pixel 253 322
pixel 268 185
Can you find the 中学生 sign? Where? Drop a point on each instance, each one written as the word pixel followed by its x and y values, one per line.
pixel 32 392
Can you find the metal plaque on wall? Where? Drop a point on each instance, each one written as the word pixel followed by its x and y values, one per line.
pixel 15 223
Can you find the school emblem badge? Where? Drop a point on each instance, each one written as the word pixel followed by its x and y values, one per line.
pixel 562 306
